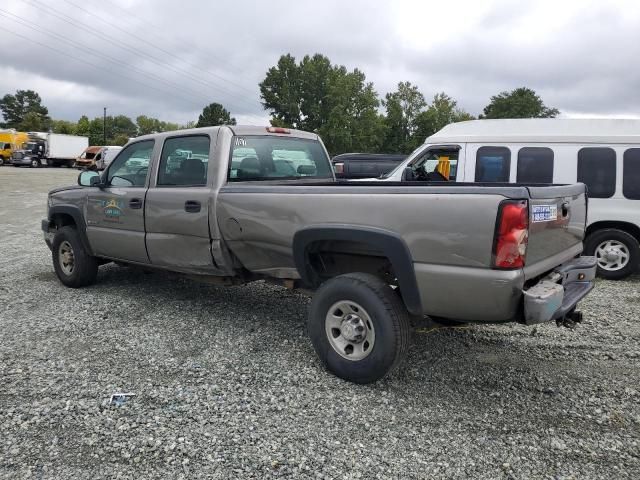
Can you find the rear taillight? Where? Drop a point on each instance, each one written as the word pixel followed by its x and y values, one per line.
pixel 338 167
pixel 512 234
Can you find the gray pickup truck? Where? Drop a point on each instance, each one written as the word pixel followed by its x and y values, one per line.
pixel 235 204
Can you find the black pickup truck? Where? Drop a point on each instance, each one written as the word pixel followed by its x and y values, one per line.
pixel 364 165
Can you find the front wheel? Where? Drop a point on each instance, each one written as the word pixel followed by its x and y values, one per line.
pixel 359 327
pixel 617 252
pixel 35 163
pixel 73 265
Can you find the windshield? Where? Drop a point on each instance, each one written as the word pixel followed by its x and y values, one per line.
pixel 270 158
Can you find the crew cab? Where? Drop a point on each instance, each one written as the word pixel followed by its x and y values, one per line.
pixel 234 204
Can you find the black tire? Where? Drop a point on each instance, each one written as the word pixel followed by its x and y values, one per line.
pixel 85 267
pixel 2 160
pixel 35 163
pixel 385 311
pixel 629 241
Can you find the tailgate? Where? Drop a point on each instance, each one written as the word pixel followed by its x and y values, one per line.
pixel 557 218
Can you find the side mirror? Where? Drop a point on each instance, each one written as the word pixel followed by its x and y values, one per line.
pixel 89 178
pixel 408 175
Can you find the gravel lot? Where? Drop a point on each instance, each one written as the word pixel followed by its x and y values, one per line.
pixel 227 385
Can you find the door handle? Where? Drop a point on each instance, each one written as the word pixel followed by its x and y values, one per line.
pixel 135 203
pixel 192 206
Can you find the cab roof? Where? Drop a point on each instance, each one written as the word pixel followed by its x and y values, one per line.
pixel 235 130
pixel 540 130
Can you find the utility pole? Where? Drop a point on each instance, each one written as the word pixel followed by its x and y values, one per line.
pixel 104 126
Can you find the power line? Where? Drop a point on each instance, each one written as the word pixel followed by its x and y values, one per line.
pixel 155 26
pixel 159 62
pixel 167 52
pixel 66 54
pixel 201 97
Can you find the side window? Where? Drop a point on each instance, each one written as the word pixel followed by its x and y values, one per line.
pixel 597 170
pixel 184 161
pixel 431 166
pixel 493 164
pixel 631 174
pixel 535 165
pixel 130 168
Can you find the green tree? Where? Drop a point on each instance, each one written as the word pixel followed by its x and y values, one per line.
pixel 148 125
pixel 442 111
pixel 402 109
pixel 316 96
pixel 83 126
pixel 34 122
pixel 353 123
pixel 63 126
pixel 15 109
pixel 281 92
pixel 519 103
pixel 215 114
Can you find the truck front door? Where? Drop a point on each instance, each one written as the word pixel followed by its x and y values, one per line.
pixel 115 213
pixel 178 204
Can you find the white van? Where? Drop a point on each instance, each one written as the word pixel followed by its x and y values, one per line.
pixel 602 153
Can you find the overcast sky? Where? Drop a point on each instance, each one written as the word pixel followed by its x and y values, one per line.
pixel 168 59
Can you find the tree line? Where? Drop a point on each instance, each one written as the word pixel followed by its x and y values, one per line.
pixel 311 94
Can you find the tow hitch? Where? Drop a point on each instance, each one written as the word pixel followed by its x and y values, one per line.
pixel 570 319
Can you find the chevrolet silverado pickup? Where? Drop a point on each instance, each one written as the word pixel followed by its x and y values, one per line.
pixel 234 204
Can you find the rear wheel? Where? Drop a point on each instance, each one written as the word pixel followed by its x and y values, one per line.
pixel 73 265
pixel 359 327
pixel 617 252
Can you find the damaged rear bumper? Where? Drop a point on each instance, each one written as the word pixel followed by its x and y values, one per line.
pixel 555 296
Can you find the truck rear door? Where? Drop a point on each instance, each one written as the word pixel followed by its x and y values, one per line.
pixel 557 220
pixel 178 204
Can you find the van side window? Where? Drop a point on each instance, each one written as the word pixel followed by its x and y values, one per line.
pixel 631 174
pixel 535 165
pixel 597 170
pixel 184 161
pixel 493 164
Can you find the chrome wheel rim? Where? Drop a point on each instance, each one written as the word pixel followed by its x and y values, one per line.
pixel 612 255
pixel 350 330
pixel 34 163
pixel 66 258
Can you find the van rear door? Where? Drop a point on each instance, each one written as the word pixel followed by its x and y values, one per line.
pixel 557 221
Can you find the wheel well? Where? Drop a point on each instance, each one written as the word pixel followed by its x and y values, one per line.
pixel 630 228
pixel 60 220
pixel 330 258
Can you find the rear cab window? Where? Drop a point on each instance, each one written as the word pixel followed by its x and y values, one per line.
pixel 493 164
pixel 263 158
pixel 597 170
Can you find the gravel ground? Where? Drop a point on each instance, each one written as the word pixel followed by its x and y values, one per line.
pixel 227 385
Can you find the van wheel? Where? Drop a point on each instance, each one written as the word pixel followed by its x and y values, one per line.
pixel 617 252
pixel 73 265
pixel 359 327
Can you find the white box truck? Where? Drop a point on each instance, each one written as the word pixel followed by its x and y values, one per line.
pixel 49 149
